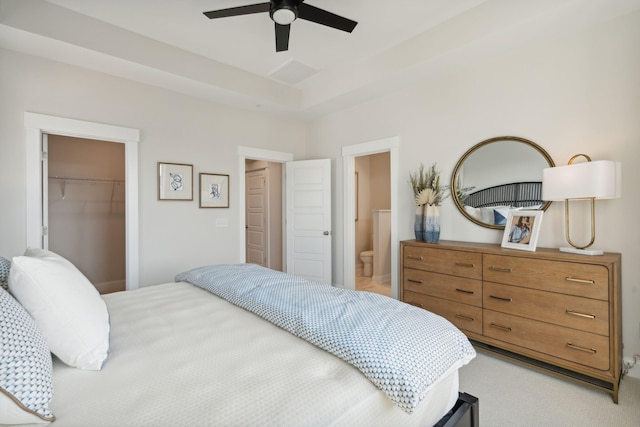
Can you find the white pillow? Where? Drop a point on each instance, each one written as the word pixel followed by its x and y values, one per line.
pixel 65 305
pixel 487 215
pixel 474 212
pixel 26 372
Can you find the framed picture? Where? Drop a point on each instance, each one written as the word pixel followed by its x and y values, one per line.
pixel 175 181
pixel 214 190
pixel 522 229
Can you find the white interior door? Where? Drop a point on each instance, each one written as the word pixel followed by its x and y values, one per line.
pixel 256 216
pixel 308 207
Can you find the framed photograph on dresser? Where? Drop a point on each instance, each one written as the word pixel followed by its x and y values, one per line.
pixel 522 229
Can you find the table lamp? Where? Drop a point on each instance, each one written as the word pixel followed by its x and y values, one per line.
pixel 588 180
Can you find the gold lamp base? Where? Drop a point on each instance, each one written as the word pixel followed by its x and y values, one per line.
pixel 575 249
pixel 589 252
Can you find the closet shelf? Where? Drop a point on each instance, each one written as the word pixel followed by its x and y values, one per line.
pixel 99 180
pixel 66 179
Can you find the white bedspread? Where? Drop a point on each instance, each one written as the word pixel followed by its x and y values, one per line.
pixel 402 349
pixel 182 356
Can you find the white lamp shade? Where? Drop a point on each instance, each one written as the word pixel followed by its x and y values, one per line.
pixel 600 179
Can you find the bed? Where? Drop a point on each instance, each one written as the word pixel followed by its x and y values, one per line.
pixel 180 354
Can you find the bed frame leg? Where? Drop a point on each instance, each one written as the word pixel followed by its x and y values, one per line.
pixel 465 413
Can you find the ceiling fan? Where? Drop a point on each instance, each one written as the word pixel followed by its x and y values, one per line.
pixel 283 13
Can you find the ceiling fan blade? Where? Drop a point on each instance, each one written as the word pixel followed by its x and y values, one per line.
pixel 282 37
pixel 320 16
pixel 240 10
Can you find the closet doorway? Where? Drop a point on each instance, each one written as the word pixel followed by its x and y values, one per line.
pixel 86 207
pixel 263 213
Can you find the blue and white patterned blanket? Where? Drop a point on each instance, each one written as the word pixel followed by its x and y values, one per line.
pixel 401 349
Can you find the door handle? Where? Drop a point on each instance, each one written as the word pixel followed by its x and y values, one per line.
pixel 326 233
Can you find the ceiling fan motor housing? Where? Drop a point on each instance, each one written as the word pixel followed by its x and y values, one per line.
pixel 283 12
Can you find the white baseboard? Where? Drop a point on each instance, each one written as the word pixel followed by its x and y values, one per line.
pixel 635 371
pixel 381 279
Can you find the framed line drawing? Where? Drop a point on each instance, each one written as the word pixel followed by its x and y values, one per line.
pixel 175 181
pixel 214 190
pixel 522 229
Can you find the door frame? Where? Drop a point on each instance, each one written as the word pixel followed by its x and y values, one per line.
pixel 349 153
pixel 38 124
pixel 251 153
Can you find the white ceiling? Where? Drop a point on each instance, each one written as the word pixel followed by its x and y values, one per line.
pixel 170 43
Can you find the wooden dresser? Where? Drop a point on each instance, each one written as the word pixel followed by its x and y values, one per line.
pixel 553 310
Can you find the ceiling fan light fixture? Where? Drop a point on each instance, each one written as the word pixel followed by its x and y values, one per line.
pixel 283 13
pixel 284 16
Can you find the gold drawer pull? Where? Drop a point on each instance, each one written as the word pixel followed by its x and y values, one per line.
pixel 465 264
pixel 586 350
pixel 576 313
pixel 504 328
pixel 419 282
pixel 417 304
pixel 500 298
pixel 419 258
pixel 500 269
pixel 464 291
pixel 460 316
pixel 573 279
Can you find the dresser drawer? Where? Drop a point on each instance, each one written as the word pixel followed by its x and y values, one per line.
pixel 465 317
pixel 460 289
pixel 587 280
pixel 568 344
pixel 586 314
pixel 456 263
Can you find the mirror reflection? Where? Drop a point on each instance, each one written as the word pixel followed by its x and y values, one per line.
pixel 497 175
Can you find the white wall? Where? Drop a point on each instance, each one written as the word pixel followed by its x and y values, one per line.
pixel 577 94
pixel 174 236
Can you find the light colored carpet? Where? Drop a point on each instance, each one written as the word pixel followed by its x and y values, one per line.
pixel 516 396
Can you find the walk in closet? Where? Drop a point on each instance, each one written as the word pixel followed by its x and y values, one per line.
pixel 86 207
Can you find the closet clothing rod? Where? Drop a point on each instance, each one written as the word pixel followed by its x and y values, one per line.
pixel 69 178
pixel 259 169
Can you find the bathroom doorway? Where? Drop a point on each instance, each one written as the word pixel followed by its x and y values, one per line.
pixel 372 181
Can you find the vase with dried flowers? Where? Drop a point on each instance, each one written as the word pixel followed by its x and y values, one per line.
pixel 418 182
pixel 428 194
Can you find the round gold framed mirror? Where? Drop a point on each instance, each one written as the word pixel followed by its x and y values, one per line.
pixel 499 174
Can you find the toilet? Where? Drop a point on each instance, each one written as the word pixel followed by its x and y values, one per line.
pixel 367 259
